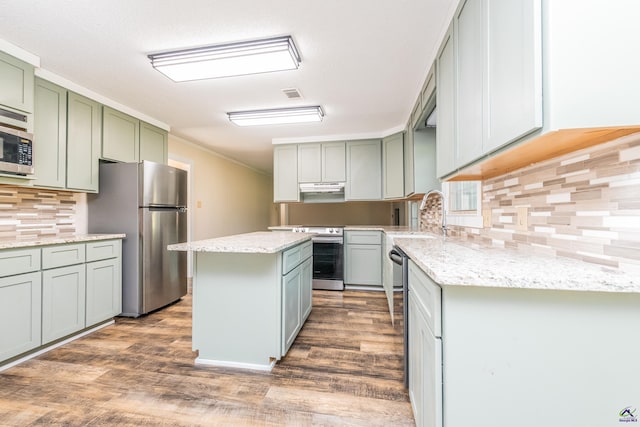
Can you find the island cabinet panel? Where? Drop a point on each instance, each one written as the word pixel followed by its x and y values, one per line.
pixel 237 308
pixel 20 314
pixel 247 310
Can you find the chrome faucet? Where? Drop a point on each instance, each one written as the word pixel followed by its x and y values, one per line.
pixel 442 205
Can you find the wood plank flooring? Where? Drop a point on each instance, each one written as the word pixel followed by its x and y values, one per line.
pixel 345 368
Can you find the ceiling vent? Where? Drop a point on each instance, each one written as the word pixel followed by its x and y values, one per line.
pixel 292 93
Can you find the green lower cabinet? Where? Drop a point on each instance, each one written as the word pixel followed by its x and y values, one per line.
pixel 306 292
pixel 291 319
pixel 363 258
pixel 104 290
pixel 20 315
pixel 63 301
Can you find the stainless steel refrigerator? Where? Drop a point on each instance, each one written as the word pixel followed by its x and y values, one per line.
pixel 147 201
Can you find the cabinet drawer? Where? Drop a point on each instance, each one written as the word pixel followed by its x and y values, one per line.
pixel 61 255
pixel 18 261
pixel 428 295
pixel 364 237
pixel 306 250
pixel 103 249
pixel 295 255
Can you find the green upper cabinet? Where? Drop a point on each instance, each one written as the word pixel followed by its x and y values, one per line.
pixel 50 130
pixel 120 136
pixel 16 83
pixel 467 29
pixel 364 170
pixel 445 101
pixel 321 162
pixel 309 162
pixel 285 173
pixel 513 71
pixel 153 143
pixel 393 166
pixel 334 162
pixel 84 129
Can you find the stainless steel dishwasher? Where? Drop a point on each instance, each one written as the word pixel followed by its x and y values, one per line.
pixel 401 261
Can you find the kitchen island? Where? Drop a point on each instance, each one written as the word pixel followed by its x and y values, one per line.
pixel 500 337
pixel 251 296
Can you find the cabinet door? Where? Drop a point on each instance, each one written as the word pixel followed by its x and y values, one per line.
pixel 409 165
pixel 153 143
pixel 393 166
pixel 363 265
pixel 285 173
pixel 469 65
pixel 425 369
pixel 50 126
pixel 63 302
pixel 104 290
pixel 333 162
pixel 84 130
pixel 291 316
pixel 513 82
pixel 20 322
pixel 306 293
pixel 120 136
pixel 16 83
pixel 445 136
pixel 364 170
pixel 309 163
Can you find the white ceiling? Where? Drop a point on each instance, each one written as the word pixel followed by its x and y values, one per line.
pixel 364 61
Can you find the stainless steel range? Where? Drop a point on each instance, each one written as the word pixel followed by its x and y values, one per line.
pixel 328 249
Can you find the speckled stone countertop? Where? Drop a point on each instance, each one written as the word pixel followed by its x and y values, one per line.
pixel 79 238
pixel 454 262
pixel 261 242
pixel 451 262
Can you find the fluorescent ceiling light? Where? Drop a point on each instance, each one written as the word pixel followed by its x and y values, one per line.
pixel 231 59
pixel 277 116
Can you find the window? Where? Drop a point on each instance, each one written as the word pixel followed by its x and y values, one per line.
pixel 464 203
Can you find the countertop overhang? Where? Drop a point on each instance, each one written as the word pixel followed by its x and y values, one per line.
pixel 266 242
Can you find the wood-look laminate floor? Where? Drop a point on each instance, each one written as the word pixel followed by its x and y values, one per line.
pixel 345 368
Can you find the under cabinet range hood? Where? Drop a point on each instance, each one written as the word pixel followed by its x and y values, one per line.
pixel 322 192
pixel 322 187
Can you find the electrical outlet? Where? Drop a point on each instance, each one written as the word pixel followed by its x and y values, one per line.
pixel 486 218
pixel 199 204
pixel 522 219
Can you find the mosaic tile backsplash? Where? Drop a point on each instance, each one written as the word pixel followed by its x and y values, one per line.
pixel 28 213
pixel 584 205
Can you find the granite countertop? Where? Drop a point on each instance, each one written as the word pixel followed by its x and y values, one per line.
pixel 44 241
pixel 452 262
pixel 262 242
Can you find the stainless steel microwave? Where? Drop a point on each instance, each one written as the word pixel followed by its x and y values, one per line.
pixel 16 151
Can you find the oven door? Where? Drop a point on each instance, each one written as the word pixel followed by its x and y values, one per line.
pixel 328 270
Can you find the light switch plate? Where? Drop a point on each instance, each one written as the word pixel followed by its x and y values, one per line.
pixel 522 219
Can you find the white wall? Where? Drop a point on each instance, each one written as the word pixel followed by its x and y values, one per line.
pixel 227 197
